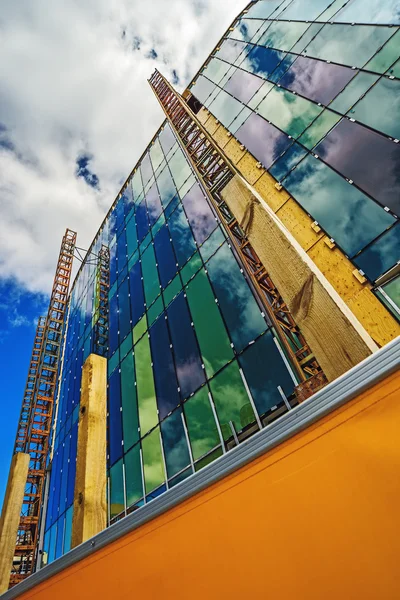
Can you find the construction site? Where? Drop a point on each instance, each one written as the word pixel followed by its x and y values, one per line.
pixel 219 385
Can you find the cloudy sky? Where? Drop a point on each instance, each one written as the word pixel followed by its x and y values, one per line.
pixel 76 112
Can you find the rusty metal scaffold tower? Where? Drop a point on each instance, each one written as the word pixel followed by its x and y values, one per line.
pixel 215 171
pixel 34 429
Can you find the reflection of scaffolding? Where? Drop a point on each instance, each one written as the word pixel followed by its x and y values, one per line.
pixel 35 422
pixel 100 319
pixel 216 172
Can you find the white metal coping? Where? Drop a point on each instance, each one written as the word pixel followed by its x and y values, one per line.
pixel 372 370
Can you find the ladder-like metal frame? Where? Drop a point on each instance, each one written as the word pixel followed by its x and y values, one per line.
pixel 215 172
pixel 34 430
pixel 100 320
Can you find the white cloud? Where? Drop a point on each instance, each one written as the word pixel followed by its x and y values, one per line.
pixel 73 83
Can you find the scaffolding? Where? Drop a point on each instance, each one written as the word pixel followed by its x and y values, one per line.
pixel 215 172
pixel 100 319
pixel 34 429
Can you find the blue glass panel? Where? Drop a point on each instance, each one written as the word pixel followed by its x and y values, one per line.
pixel 115 420
pixel 181 235
pixel 142 221
pixel 121 250
pixel 165 256
pixel 113 325
pixel 113 264
pixel 263 140
pixel 136 291
pixel 171 207
pixel 131 236
pixel 201 217
pixel 284 164
pixel 164 370
pixel 187 358
pixel 262 61
pixel 239 308
pixel 72 465
pixel 382 255
pixel 349 217
pixel 153 204
pixel 124 310
pixel 176 450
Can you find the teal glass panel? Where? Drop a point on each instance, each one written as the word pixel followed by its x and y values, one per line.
pixel 172 290
pixel 68 530
pixel 145 243
pixel 150 275
pixel 282 35
pixel 246 29
pixel 117 501
pixel 304 10
pixel 133 260
pixel 348 45
pixel 155 310
pixel 52 544
pixel 130 421
pixel 133 476
pixel 306 38
pixel 131 236
pixel 240 310
pixel 369 11
pixel 214 343
pixel 211 245
pixel 353 92
pixel 156 228
pixel 176 450
pixel 319 128
pixel 154 474
pixel 380 107
pixel 391 296
pixel 288 111
pixel 156 155
pixel 387 56
pixel 125 347
pixel 231 400
pixel 148 415
pixel 264 371
pixel 202 429
pixel 180 168
pixel 331 11
pixel 191 267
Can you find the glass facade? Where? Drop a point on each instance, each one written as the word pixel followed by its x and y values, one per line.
pixel 194 365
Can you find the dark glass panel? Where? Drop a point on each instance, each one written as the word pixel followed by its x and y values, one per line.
pixel 230 50
pixel 133 476
pixel 202 89
pixel 130 419
pixel 265 370
pixel 124 310
pixel 117 500
pixel 181 235
pixel 263 140
pixel 238 306
pixel 142 221
pixel 380 107
pixel 243 85
pixel 350 217
pixel 284 164
pixel 262 61
pixel 282 67
pixel 166 187
pixel 176 450
pixel 369 159
pixel 316 80
pixel 113 340
pixel 231 400
pixel 382 255
pixel 167 139
pixel 146 169
pixel 153 204
pixel 165 256
pixel 114 419
pixel 187 358
pixel 136 291
pixel 201 217
pixel 202 429
pixel 164 370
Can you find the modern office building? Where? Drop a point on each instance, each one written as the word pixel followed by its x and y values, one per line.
pixel 251 257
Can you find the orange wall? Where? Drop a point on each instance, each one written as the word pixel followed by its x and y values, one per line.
pixel 317 518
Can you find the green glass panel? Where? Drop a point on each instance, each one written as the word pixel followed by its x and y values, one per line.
pixel 180 168
pixel 380 107
pixel 150 276
pixel 202 429
pixel 211 245
pixel 130 422
pixel 231 400
pixel 288 111
pixel 191 267
pixel 133 476
pixel 133 260
pixel 139 329
pixel 395 70
pixel 145 243
pixel 148 415
pixel 113 362
pixel 131 236
pixel 187 185
pixel 137 186
pixel 353 91
pixel 319 128
pixel 156 155
pixel 392 289
pixel 156 228
pixel 153 466
pixel 208 459
pixel 385 57
pixel 210 329
pixel 155 310
pixel 172 290
pixel 126 346
pixel 117 502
